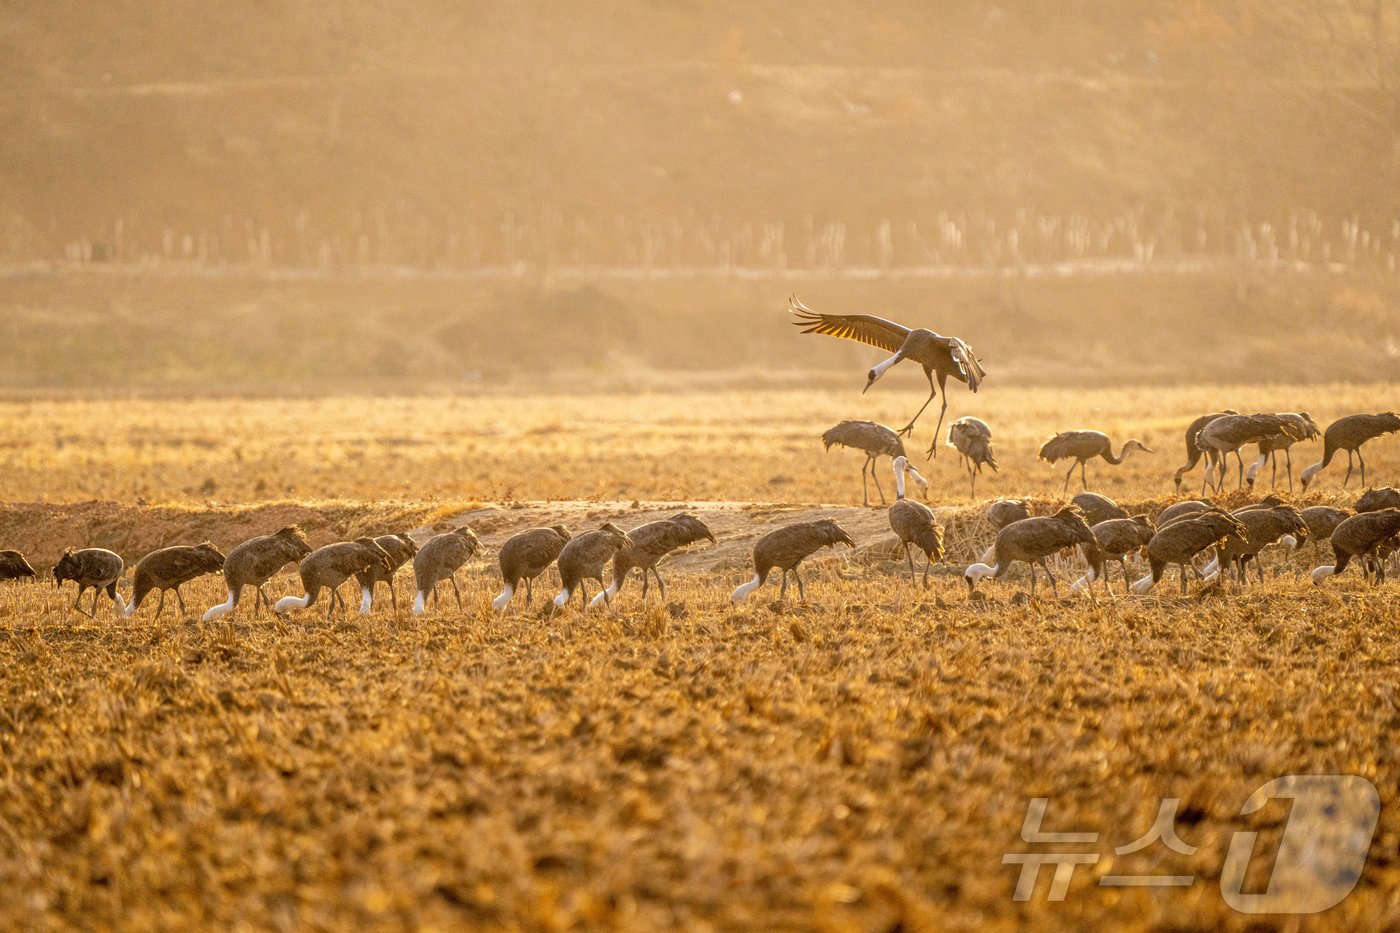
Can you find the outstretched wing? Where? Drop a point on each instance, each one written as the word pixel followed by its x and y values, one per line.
pixel 967 362
pixel 866 328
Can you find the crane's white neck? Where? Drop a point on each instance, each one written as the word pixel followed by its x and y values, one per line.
pixel 742 593
pixel 563 598
pixel 366 600
pixel 976 572
pixel 1322 573
pixel 420 603
pixel 215 611
pixel 1144 585
pixel 1254 468
pixel 288 603
pixel 605 596
pixel 879 369
pixel 503 600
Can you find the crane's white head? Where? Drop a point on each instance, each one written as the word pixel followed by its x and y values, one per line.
pixel 878 370
pixel 976 573
pixel 1143 584
pixel 1322 573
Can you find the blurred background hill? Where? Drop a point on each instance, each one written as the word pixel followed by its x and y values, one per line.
pixel 253 197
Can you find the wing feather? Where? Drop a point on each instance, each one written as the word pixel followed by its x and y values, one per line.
pixel 865 328
pixel 967 362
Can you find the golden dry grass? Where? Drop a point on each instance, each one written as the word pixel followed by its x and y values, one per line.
pixel 857 762
pixel 762 445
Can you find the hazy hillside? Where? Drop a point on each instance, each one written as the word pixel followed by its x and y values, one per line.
pixel 411 122
pixel 626 176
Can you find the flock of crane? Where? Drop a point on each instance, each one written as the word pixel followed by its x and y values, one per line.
pixel 1091 525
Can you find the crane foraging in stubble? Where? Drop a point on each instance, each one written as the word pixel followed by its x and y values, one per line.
pixel 914 524
pixel 524 557
pixel 1348 434
pixel 972 439
pixel 787 547
pixel 1115 539
pixel 92 567
pixel 253 563
pixel 1032 540
pixel 1268 449
pixel 170 568
pixel 1081 446
pixel 1179 542
pixel 877 441
pixel 13 566
pixel 400 549
pixel 1226 435
pixel 1193 452
pixel 330 566
pixel 650 543
pixel 440 559
pixel 1097 508
pixel 940 356
pixel 1362 536
pixel 1263 527
pixel 584 558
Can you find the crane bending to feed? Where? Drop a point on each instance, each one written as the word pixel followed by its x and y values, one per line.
pixel 940 356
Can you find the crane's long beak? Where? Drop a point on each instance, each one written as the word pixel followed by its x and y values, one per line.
pixel 869 381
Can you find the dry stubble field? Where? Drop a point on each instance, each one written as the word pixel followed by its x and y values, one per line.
pixel 862 761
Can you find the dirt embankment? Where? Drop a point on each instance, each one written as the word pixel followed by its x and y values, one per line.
pixel 42 531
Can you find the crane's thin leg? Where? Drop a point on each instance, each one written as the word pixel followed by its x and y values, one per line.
pixel 1083 480
pixel 1361 460
pixel 453 578
pixel 1348 476
pixel 1183 578
pixel 910 426
pixel 393 597
pixel 645 582
pixel 1241 467
pixel 1127 583
pixel 1067 476
pixel 783 591
pixel 181 600
pixel 909 557
pixel 1288 456
pixel 876 478
pixel 928 564
pixel 529 590
pixel 801 593
pixel 942 388
pixel 1273 472
pixel 160 606
pixel 1054 588
pixel 1032 566
pixel 660 583
pixel 865 483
